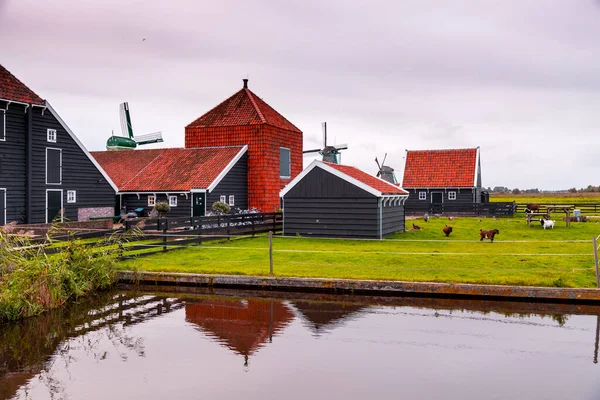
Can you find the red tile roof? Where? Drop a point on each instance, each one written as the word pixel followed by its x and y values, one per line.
pixel 440 168
pixel 369 180
pixel 13 89
pixel 243 108
pixel 174 169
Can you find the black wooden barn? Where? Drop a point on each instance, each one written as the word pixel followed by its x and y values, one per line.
pixel 442 180
pixel 44 168
pixel 332 200
pixel 191 180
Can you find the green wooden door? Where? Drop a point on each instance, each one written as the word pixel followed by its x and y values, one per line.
pixel 54 204
pixel 198 204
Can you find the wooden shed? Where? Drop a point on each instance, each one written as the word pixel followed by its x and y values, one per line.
pixel 332 200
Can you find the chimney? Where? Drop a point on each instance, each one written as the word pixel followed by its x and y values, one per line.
pixel 245 83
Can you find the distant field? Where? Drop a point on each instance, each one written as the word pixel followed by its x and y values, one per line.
pixel 521 255
pixel 548 198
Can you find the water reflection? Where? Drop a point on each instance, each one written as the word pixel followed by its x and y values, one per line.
pixel 157 345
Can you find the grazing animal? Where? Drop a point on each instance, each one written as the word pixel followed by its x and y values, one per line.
pixel 450 218
pixel 426 217
pixel 447 230
pixel 416 227
pixel 531 207
pixel 488 234
pixel 547 223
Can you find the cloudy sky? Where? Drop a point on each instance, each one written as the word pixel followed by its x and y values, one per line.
pixel 520 79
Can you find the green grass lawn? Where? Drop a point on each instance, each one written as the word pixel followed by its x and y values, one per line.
pixel 520 255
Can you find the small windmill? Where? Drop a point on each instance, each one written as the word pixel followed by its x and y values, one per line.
pixel 386 172
pixel 128 141
pixel 330 153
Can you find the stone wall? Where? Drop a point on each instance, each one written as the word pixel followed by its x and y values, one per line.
pixel 84 214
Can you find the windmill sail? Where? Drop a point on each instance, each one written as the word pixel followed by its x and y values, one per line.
pixel 330 153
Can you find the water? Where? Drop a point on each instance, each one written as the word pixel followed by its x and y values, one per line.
pixel 251 345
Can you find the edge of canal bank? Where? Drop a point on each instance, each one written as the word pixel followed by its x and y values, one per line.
pixel 351 286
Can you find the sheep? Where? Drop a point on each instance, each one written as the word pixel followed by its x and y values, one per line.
pixel 547 223
pixel 447 230
pixel 488 234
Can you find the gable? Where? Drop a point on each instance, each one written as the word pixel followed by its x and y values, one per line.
pixel 319 183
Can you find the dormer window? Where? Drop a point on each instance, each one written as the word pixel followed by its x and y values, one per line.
pixel 51 135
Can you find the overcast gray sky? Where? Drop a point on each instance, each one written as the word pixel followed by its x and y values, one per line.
pixel 520 79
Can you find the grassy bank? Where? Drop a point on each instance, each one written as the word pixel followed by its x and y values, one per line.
pixel 547 198
pixel 520 255
pixel 32 282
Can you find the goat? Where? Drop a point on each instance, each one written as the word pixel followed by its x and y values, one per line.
pixel 447 230
pixel 547 223
pixel 416 227
pixel 488 234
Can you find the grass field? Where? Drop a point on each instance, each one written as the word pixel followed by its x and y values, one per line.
pixel 520 255
pixel 547 198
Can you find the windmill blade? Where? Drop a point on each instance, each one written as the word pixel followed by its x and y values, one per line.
pixel 126 127
pixel 341 146
pixel 384 157
pixel 378 166
pixel 311 151
pixel 324 127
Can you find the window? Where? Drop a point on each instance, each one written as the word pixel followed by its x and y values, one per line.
pixel 231 200
pixel 2 125
pixel 451 195
pixel 151 200
pixel 71 196
pixel 284 163
pixel 223 199
pixel 422 195
pixel 53 166
pixel 51 135
pixel 173 201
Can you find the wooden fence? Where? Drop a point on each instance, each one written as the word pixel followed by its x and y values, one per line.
pixel 586 208
pixel 497 209
pixel 156 235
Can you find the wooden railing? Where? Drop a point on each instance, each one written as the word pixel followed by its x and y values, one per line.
pixel 463 209
pixel 586 208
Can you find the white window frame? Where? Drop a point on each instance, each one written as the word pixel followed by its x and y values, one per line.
pixel 153 202
pixel 51 135
pixel 3 124
pixel 422 195
pixel 231 200
pixel 223 199
pixel 452 195
pixel 289 162
pixel 74 198
pixel 173 201
pixel 62 205
pixel 61 165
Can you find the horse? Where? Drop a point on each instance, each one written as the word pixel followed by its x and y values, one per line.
pixel 447 230
pixel 488 234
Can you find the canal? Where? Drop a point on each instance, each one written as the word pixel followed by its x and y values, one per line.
pixel 225 344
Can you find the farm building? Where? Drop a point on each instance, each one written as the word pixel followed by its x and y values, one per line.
pixel 435 178
pixel 45 171
pixel 274 143
pixel 190 180
pixel 341 201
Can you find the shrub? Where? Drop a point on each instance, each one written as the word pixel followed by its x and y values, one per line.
pixel 219 206
pixel 162 207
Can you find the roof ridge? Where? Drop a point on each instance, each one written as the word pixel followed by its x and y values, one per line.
pixel 277 112
pixel 251 97
pixel 147 165
pixel 215 107
pixel 2 68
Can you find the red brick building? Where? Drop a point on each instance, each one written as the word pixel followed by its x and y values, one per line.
pixel 274 143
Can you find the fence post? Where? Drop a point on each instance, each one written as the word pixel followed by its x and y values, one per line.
pixel 270 253
pixel 596 260
pixel 165 226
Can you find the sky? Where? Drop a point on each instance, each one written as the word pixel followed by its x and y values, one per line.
pixel 519 79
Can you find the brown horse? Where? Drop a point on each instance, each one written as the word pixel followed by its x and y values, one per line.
pixel 488 234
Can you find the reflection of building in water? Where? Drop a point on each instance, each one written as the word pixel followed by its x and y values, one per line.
pixel 243 326
pixel 323 317
pixel 27 346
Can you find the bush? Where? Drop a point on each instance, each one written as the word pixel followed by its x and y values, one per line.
pixel 162 207
pixel 219 206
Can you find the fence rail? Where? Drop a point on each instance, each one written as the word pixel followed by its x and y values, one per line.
pixel 497 209
pixel 586 208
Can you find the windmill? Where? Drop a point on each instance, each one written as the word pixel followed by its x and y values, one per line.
pixel 128 141
pixel 330 153
pixel 386 172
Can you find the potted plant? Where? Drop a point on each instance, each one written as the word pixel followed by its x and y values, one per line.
pixel 162 207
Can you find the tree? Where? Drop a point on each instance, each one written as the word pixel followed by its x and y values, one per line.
pixel 516 191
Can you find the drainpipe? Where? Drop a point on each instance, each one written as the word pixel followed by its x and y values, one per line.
pixel 380 202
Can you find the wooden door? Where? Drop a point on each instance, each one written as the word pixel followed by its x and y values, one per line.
pixel 198 204
pixel 53 204
pixel 2 207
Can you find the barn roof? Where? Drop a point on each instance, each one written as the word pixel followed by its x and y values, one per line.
pixel 375 186
pixel 440 168
pixel 243 108
pixel 13 89
pixel 172 169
